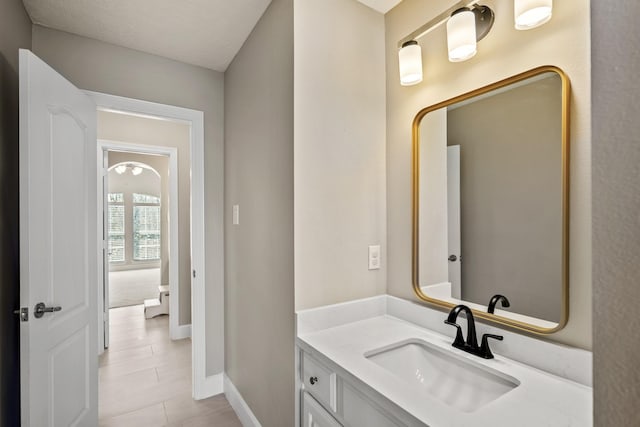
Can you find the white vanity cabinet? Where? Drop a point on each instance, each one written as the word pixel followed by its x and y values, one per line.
pixel 330 398
pixel 314 415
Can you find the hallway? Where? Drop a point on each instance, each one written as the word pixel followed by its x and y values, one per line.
pixel 145 378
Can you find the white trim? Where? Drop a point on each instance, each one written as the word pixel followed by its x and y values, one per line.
pixel 195 118
pixel 239 405
pixel 182 331
pixel 213 385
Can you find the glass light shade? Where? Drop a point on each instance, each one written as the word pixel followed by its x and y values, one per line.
pixel 137 170
pixel 121 169
pixel 531 13
pixel 410 61
pixel 461 36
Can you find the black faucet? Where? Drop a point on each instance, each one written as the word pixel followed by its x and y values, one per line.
pixel 494 300
pixel 471 343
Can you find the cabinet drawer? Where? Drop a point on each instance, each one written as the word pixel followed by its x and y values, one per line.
pixel 314 415
pixel 319 381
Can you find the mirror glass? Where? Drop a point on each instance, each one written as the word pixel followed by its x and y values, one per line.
pixel 491 200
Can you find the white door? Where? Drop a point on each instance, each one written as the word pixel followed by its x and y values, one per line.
pixel 58 249
pixel 453 220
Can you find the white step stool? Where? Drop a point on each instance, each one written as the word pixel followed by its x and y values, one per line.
pixel 157 306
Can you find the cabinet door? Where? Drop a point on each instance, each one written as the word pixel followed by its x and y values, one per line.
pixel 314 415
pixel 359 411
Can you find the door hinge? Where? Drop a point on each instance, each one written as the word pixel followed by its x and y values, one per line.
pixel 194 274
pixel 24 313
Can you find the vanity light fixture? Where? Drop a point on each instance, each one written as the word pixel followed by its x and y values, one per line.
pixel 530 14
pixel 467 23
pixel 461 35
pixel 410 61
pixel 466 27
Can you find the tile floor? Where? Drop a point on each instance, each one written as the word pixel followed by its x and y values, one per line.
pixel 145 378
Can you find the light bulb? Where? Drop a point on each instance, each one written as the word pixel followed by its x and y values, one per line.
pixel 410 61
pixel 137 170
pixel 530 14
pixel 120 169
pixel 461 35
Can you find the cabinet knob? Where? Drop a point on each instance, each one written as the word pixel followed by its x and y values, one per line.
pixel 313 380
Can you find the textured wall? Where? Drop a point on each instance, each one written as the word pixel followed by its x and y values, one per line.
pixel 564 42
pixel 340 192
pixel 15 32
pixel 102 67
pixel 616 203
pixel 259 319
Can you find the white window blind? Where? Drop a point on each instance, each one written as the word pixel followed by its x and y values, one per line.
pixel 146 227
pixel 116 227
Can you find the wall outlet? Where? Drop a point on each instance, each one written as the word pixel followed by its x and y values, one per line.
pixel 374 257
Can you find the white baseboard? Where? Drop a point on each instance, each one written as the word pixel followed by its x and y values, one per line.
pixel 239 405
pixel 212 385
pixel 181 332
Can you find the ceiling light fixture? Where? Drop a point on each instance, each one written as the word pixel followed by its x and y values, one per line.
pixel 410 61
pixel 530 14
pixel 135 168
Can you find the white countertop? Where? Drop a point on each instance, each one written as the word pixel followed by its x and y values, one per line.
pixel 541 399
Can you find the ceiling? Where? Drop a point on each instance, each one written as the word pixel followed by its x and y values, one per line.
pixel 207 33
pixel 382 6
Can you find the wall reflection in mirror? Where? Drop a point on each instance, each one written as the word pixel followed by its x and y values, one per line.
pixel 491 200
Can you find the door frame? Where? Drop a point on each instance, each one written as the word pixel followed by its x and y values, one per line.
pixel 202 386
pixel 176 331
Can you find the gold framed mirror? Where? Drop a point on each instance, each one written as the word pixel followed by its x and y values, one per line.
pixel 490 178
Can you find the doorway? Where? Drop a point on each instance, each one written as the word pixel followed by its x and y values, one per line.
pixel 187 303
pixel 137 230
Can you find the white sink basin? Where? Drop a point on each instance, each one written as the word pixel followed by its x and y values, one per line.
pixel 444 375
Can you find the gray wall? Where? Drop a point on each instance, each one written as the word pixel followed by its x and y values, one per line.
pixel 616 203
pixel 102 67
pixel 564 42
pixel 339 165
pixel 259 294
pixel 511 194
pixel 15 32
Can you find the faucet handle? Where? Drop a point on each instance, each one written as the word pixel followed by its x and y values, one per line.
pixel 459 341
pixel 485 351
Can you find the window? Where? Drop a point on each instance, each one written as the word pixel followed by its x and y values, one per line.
pixel 116 227
pixel 146 227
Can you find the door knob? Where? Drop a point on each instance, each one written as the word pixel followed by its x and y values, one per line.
pixel 40 309
pixel 453 258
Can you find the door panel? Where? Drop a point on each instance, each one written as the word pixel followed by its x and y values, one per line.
pixel 58 249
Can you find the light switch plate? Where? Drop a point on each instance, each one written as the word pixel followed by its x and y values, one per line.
pixel 236 214
pixel 374 257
